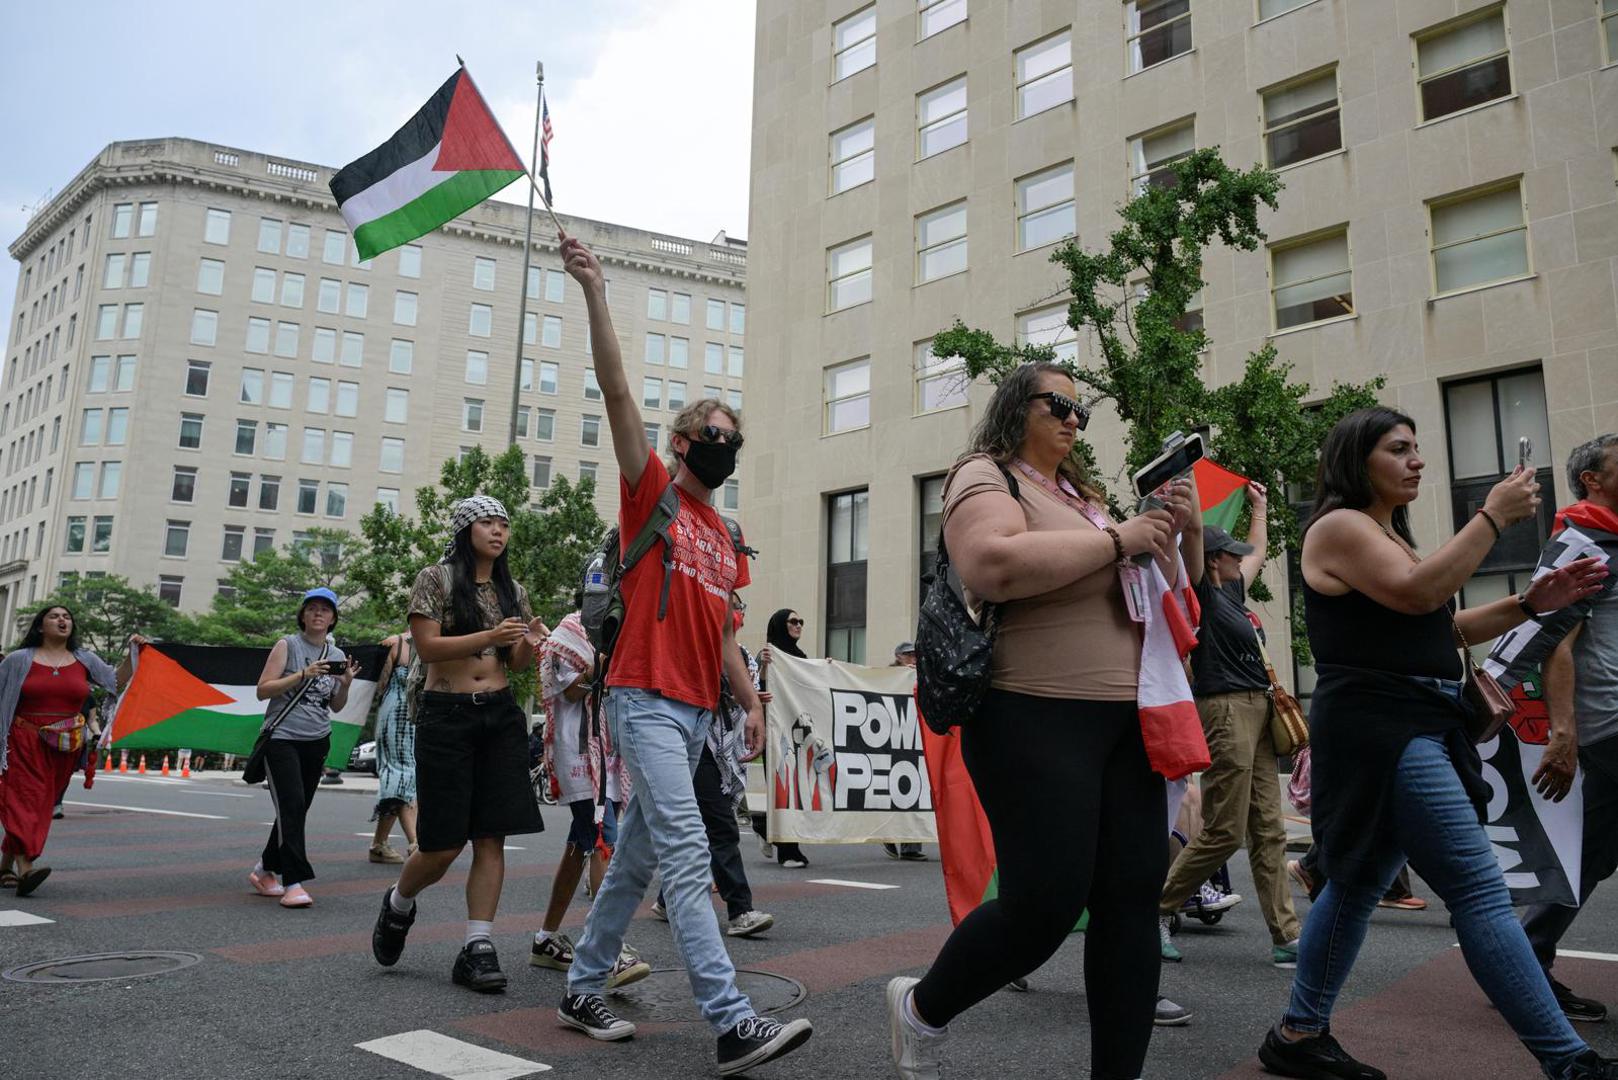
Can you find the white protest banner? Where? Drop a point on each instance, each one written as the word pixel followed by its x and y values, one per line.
pixel 843 757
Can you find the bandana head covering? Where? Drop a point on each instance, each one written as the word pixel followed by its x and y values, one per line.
pixel 470 509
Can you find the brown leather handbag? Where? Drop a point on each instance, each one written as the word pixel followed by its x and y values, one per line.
pixel 1289 728
pixel 1490 707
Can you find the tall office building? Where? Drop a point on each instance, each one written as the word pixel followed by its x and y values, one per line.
pixel 1449 222
pixel 198 365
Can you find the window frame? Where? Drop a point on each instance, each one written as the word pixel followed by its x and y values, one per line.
pixel 1022 213
pixel 924 6
pixel 837 163
pixel 1450 26
pixel 923 127
pixel 837 75
pixel 1293 243
pixel 932 369
pixel 1019 84
pixel 868 270
pixel 828 402
pixel 1456 198
pixel 939 213
pixel 1266 130
pixel 1132 36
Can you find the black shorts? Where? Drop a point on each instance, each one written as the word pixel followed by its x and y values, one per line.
pixel 472 770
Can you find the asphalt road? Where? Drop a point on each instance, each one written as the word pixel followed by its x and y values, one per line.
pixel 285 994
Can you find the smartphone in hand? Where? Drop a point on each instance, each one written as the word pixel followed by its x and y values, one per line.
pixel 1525 452
pixel 336 667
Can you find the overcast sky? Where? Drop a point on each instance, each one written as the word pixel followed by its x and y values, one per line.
pixel 650 100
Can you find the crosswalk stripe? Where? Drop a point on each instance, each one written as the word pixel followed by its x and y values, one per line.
pixel 452 1058
pixel 144 810
pixel 1578 955
pixel 12 917
pixel 850 884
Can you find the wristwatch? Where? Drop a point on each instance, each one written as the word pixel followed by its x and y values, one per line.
pixel 1527 608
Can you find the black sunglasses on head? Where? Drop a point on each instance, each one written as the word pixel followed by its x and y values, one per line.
pixel 1062 407
pixel 712 433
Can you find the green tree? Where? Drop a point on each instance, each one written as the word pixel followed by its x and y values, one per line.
pixel 1131 299
pixel 106 610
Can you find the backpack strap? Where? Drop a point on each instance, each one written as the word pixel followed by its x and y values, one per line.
pixel 656 528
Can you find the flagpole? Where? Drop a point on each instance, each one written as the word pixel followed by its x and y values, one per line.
pixel 527 260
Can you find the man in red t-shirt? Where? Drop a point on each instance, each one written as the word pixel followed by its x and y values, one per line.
pixel 662 693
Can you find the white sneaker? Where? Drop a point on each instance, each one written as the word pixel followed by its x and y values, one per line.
pixel 749 923
pixel 659 911
pixel 1214 898
pixel 915 1053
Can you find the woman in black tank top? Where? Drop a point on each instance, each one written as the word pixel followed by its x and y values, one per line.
pixel 1394 775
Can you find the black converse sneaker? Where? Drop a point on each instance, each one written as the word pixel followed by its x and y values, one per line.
pixel 1318 1057
pixel 589 1013
pixel 478 968
pixel 388 936
pixel 759 1039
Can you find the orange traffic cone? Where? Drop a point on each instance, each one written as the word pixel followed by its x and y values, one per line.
pixel 106 763
pixel 123 762
pixel 185 769
pixel 142 769
pixel 165 764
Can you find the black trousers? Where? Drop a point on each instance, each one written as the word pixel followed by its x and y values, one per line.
pixel 1080 822
pixel 1546 923
pixel 724 837
pixel 294 767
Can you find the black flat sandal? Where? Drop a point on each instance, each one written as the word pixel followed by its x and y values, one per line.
pixel 32 880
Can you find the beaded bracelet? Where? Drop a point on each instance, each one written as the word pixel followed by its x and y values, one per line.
pixel 1117 542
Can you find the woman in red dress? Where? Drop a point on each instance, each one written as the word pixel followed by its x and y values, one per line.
pixel 43 687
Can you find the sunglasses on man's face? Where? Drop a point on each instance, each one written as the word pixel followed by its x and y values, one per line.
pixel 712 433
pixel 1062 407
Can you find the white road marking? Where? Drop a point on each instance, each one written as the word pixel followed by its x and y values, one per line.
pixel 850 884
pixel 12 917
pixel 118 778
pixel 144 810
pixel 443 1056
pixel 183 785
pixel 508 847
pixel 1578 955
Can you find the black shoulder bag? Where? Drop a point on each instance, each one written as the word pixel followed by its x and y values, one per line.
pixel 954 651
pixel 255 771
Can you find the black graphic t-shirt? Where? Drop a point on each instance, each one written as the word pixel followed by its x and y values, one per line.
pixel 1226 657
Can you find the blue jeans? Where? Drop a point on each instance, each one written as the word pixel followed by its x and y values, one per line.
pixel 661 741
pixel 1437 828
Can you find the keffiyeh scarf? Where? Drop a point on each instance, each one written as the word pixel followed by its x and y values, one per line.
pixel 470 509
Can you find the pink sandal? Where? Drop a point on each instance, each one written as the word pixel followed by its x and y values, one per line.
pixel 296 898
pixel 265 883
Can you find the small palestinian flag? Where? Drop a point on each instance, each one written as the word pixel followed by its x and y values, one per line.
pixel 205 697
pixel 447 158
pixel 1222 493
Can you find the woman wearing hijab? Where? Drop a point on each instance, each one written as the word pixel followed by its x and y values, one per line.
pixel 43 687
pixel 471 626
pixel 783 633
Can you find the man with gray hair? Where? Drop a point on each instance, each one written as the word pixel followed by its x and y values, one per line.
pixel 1580 683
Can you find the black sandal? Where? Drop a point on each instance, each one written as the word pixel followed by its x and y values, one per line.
pixel 9 880
pixel 32 880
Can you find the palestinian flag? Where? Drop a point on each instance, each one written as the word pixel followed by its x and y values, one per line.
pixel 206 697
pixel 1222 494
pixel 447 158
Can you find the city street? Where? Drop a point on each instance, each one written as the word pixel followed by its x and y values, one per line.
pixel 154 864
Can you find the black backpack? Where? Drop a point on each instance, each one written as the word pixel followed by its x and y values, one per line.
pixel 954 651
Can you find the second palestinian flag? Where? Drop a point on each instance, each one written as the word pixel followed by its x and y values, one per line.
pixel 1222 494
pixel 446 159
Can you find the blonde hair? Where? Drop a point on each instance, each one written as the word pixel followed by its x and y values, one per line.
pixel 692 419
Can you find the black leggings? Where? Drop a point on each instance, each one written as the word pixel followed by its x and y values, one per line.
pixel 1079 821
pixel 294 767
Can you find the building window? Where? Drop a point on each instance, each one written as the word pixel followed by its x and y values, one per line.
pixel 401 356
pixel 75 536
pixel 1049 326
pixel 550 375
pixel 679 352
pixel 334 247
pixel 358 301
pixel 848 542
pixel 308 496
pixel 396 405
pixel 551 332
pixel 292 290
pixel 1152 156
pixel 735 362
pixel 342 449
pixel 100 535
pixel 238 492
pixel 848 396
pixel 286 340
pixel 471 414
pixel 348 398
pixel 941 242
pixel 848 274
pixel 936 15
pixel 1609 31
pixel 246 436
pixel 483 274
pixel 555 286
pixel 275 441
pixel 1268 9
pixel 176 538
pixel 1302 120
pixel 258 336
pixel 941 118
pixel 1479 238
pixel 183 488
pixel 587 472
pixel 263 290
pixel 1484 419
pixel 404 308
pixel 1045 207
pixel 84 478
pixel 252 392
pixel 392 458
pixel 123 216
pixel 733 398
pixel 190 431
pixel 657 304
pixel 281 383
pixel 329 296
pixel 269 235
pixel 680 309
pixel 204 327
pixel 651 393
pixel 353 354
pixel 168 589
pixel 1156 30
pixel 336 500
pixel 318 399
pixel 231 548
pixel 480 322
pixel 545 424
pixel 314 445
pixel 112 276
pixel 716 316
pixel 932 523
pixel 853 155
pixel 941 382
pixel 655 344
pixel 542 471
pixel 1463 64
pixel 590 430
pixel 134 316
pixel 1044 73
pixel 1311 281
pixel 713 358
pixel 216 227
pixel 477 367
pixel 269 493
pixel 298 241
pixel 389 498
pixel 738 318
pixel 853 43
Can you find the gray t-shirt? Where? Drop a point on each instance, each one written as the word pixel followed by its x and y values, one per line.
pixel 309 718
pixel 1595 671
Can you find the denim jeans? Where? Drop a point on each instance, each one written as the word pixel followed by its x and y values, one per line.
pixel 661 830
pixel 1437 828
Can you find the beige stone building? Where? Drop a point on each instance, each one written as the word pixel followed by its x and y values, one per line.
pixel 198 366
pixel 1449 221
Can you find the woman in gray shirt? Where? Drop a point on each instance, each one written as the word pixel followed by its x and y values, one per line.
pixel 300 739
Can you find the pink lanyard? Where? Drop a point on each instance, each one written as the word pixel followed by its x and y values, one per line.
pixel 1130 576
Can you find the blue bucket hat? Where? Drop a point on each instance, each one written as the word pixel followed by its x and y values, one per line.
pixel 318 593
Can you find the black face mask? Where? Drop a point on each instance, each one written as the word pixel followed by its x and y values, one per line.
pixel 710 463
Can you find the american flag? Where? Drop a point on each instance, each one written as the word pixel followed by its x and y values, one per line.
pixel 545 147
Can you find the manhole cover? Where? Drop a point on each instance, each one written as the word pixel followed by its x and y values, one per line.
pixel 101 967
pixel 664 996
